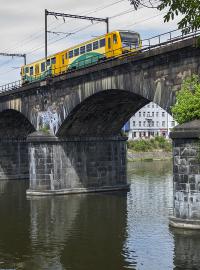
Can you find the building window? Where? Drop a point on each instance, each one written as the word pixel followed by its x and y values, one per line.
pixel 163 123
pixel 152 123
pixel 148 106
pixel 144 114
pixel 173 123
pixel 152 114
pixel 139 123
pixel 140 134
pixel 144 123
pixel 163 114
pixel 152 105
pixel 157 123
pixel 156 106
pixel 134 134
pixel 139 114
pixel 133 123
pixel 157 114
pixel 148 114
pixel 144 134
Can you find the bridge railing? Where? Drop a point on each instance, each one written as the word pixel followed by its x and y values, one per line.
pixel 147 45
pixel 10 86
pixel 167 38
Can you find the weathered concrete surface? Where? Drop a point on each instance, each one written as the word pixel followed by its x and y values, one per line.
pixel 98 100
pixel 186 163
pixel 76 165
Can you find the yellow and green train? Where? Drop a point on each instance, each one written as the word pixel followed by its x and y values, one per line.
pixel 110 45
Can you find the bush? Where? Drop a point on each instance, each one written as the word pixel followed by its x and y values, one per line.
pixel 187 107
pixel 157 143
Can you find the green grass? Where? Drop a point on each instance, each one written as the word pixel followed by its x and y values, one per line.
pixel 148 145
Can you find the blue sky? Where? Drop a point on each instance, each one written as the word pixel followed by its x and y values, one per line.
pixel 22 27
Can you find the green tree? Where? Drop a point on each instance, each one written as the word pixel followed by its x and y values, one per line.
pixel 189 9
pixel 187 107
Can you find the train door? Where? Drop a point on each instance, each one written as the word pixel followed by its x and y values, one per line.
pixel 37 70
pixel 63 62
pixel 115 44
pixel 109 52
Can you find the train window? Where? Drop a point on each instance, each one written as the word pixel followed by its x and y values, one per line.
pixel 82 50
pixel 26 69
pixel 95 45
pixel 63 59
pixel 42 66
pixel 53 60
pixel 71 54
pixel 109 43
pixel 31 70
pixel 102 42
pixel 114 39
pixel 89 47
pixel 48 62
pixel 76 52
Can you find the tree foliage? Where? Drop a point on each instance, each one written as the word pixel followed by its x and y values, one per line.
pixel 187 107
pixel 190 9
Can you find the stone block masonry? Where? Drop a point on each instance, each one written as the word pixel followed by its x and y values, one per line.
pixel 76 165
pixel 186 174
pixel 14 160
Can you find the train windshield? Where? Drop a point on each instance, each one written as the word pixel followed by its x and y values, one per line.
pixel 130 39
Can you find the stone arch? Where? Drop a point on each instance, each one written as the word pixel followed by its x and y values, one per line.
pixel 102 114
pixel 14 125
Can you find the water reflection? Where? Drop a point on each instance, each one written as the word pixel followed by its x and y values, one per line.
pixel 78 232
pixel 112 231
pixel 149 205
pixel 186 249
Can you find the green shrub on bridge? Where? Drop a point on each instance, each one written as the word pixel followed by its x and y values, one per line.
pixel 187 107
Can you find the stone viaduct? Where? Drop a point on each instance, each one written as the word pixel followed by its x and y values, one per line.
pixel 64 133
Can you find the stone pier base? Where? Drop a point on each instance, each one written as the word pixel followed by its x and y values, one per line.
pixel 186 174
pixel 14 160
pixel 76 165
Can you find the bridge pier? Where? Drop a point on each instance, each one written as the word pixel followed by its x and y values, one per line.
pixel 76 165
pixel 13 159
pixel 186 173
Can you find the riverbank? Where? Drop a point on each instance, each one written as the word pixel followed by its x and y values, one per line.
pixel 157 148
pixel 153 155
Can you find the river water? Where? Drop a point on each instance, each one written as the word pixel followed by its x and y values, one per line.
pixel 104 231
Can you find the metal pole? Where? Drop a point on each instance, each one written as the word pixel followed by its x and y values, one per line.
pixel 107 25
pixel 24 59
pixel 46 13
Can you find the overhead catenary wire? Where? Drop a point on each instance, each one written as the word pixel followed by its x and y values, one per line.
pixel 35 36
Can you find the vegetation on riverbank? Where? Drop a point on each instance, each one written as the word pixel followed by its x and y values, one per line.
pixel 153 144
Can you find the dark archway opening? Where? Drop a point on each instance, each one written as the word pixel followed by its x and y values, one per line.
pixel 14 125
pixel 102 114
pixel 15 128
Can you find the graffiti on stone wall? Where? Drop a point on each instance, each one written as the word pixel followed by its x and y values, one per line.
pixel 48 119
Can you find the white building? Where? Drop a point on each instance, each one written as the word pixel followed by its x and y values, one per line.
pixel 150 121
